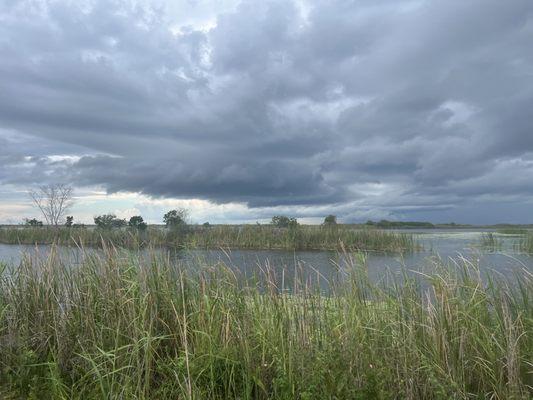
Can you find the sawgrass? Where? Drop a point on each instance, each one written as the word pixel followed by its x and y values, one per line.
pixel 305 237
pixel 119 326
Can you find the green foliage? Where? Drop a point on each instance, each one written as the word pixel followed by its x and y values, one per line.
pixel 306 237
pixel 330 220
pixel 282 221
pixel 384 224
pixel 69 222
pixel 137 222
pixel 33 222
pixel 175 218
pixel 109 221
pixel 120 326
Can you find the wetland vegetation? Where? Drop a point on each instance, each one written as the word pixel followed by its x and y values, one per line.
pixel 121 327
pixel 298 237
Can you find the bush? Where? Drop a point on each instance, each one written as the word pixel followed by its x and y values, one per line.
pixel 330 220
pixel 282 221
pixel 175 218
pixel 33 222
pixel 137 222
pixel 109 221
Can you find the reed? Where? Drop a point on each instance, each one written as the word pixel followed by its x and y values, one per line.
pixel 490 241
pixel 513 231
pixel 526 243
pixel 304 237
pixel 121 326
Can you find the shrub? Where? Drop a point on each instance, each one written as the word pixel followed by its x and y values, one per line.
pixel 282 221
pixel 330 220
pixel 175 218
pixel 137 222
pixel 109 221
pixel 33 222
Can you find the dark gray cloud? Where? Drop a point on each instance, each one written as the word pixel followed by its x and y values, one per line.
pixel 413 106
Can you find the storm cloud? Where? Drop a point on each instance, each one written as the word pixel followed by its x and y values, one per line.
pixel 404 106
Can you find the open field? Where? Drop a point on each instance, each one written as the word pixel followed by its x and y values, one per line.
pixel 116 327
pixel 303 237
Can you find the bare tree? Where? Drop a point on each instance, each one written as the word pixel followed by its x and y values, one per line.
pixel 54 201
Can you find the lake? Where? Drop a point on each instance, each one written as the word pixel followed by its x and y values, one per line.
pixel 326 266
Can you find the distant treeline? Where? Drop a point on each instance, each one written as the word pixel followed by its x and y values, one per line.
pixel 401 224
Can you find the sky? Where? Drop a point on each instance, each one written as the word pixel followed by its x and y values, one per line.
pixel 240 110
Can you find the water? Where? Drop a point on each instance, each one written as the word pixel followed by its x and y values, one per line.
pixel 324 266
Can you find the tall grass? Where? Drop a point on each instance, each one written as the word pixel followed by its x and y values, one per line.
pixel 122 327
pixel 86 236
pixel 526 243
pixel 490 241
pixel 233 237
pixel 303 237
pixel 513 231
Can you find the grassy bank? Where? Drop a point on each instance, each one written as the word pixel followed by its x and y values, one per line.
pixel 304 237
pixel 118 328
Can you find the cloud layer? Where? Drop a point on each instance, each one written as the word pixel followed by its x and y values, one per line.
pixel 403 106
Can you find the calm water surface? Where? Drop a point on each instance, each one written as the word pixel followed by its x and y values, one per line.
pixel 324 266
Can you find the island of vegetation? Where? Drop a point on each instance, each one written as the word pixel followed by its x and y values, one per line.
pixel 282 233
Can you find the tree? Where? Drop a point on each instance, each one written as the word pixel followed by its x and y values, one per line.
pixel 282 221
pixel 175 218
pixel 137 222
pixel 330 220
pixel 109 221
pixel 33 222
pixel 70 221
pixel 206 225
pixel 53 201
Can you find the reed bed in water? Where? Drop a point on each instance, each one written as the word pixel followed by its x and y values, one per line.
pixel 491 242
pixel 513 231
pixel 304 237
pixel 526 244
pixel 85 236
pixel 120 327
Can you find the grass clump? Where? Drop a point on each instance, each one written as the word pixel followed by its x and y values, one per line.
pixel 491 242
pixel 526 244
pixel 119 326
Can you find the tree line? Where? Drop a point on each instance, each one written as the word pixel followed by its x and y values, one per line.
pixel 54 202
pixel 172 219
